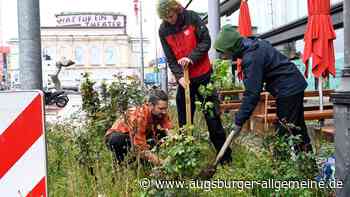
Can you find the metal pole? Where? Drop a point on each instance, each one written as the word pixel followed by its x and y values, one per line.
pixel 2 58
pixel 29 44
pixel 141 49
pixel 213 24
pixel 157 65
pixel 320 97
pixel 164 74
pixel 320 92
pixel 341 100
pixel 166 89
pixel 5 71
pixel 1 29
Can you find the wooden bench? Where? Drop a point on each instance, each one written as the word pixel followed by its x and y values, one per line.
pixel 308 115
pixel 328 132
pixel 264 114
pixel 264 118
pixel 230 105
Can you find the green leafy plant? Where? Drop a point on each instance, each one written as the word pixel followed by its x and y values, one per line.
pixel 102 108
pixel 206 106
pixel 222 77
pixel 79 164
pixel 104 93
pixel 91 101
pixel 125 93
pixel 183 155
pixel 291 164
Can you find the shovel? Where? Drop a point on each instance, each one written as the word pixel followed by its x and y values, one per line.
pixel 211 169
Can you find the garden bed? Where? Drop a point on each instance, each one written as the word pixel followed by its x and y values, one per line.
pixel 79 164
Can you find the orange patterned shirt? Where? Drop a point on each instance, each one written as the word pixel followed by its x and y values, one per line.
pixel 138 123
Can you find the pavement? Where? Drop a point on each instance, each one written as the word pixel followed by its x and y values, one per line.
pixel 54 114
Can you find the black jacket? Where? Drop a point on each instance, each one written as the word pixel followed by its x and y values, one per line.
pixel 264 67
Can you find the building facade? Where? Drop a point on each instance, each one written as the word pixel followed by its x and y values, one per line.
pixel 4 52
pixel 268 15
pixel 98 43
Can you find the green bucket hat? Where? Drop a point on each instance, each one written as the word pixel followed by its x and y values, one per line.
pixel 165 6
pixel 228 40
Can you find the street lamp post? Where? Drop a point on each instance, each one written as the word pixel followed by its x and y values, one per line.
pixel 213 24
pixel 29 44
pixel 341 100
pixel 141 49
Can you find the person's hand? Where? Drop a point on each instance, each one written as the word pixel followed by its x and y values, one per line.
pixel 170 133
pixel 182 82
pixel 237 129
pixel 153 158
pixel 161 162
pixel 185 61
pixel 169 136
pixel 161 141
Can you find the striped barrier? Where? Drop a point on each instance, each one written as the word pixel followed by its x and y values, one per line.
pixel 23 170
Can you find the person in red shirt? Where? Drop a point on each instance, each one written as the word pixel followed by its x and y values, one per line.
pixel 139 126
pixel 185 40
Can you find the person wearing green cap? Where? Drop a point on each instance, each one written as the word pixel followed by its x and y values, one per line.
pixel 185 40
pixel 264 67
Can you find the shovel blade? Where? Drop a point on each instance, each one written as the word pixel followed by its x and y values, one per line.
pixel 207 173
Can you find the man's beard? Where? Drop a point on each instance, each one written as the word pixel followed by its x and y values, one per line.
pixel 157 117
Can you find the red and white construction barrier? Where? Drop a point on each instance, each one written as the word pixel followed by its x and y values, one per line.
pixel 22 145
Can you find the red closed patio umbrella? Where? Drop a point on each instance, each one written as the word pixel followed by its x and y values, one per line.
pixel 244 28
pixel 318 39
pixel 4 49
pixel 244 23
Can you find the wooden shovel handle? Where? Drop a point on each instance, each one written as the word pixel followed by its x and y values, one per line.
pixel 227 143
pixel 187 96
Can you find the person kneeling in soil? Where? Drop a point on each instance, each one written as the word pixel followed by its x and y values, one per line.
pixel 141 128
pixel 265 67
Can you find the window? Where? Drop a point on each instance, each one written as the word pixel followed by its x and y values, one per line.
pixel 110 56
pixel 64 52
pixel 95 56
pixel 79 55
pixel 136 46
pixel 49 54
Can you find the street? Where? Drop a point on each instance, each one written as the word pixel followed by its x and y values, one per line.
pixel 55 114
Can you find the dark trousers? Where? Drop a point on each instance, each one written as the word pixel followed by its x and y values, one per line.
pixel 120 144
pixel 291 109
pixel 216 130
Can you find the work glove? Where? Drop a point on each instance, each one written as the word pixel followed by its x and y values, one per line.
pixel 234 128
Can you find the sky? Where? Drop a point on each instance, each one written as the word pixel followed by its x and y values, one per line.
pixel 48 9
pixel 284 11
